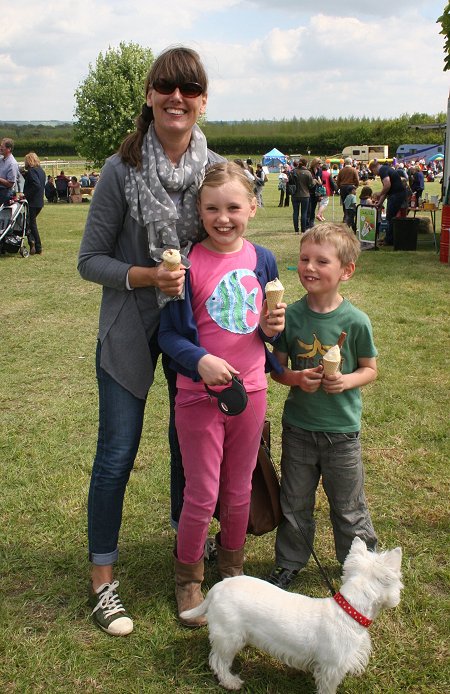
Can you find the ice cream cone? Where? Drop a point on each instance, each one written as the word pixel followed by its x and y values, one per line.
pixel 331 360
pixel 274 294
pixel 330 367
pixel 274 298
pixel 171 259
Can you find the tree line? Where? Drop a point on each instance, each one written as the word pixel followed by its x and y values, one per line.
pixel 318 135
pixel 110 98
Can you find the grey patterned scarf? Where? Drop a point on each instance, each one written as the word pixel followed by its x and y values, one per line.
pixel 147 194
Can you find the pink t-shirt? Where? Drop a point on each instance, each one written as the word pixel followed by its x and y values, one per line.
pixel 226 301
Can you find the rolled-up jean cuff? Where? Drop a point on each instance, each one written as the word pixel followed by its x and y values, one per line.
pixel 104 559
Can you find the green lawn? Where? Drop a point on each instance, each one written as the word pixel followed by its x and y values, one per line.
pixel 48 429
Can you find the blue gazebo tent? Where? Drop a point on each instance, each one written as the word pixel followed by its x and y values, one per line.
pixel 274 159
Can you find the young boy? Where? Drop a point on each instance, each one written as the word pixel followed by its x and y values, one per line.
pixel 322 415
pixel 350 204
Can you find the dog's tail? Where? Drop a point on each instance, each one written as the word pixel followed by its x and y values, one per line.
pixel 196 611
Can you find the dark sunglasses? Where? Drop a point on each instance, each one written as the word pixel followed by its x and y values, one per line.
pixel 187 89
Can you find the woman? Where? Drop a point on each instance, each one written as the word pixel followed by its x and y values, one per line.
pixel 74 190
pixel 145 201
pixel 33 189
pixel 316 173
pixel 283 179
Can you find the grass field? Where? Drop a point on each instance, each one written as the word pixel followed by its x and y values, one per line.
pixel 48 430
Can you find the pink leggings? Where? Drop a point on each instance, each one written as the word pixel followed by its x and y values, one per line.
pixel 219 455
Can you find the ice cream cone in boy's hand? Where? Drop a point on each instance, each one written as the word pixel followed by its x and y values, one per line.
pixel 274 293
pixel 332 359
pixel 171 259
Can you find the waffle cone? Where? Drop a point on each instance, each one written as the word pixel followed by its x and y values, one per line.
pixel 330 367
pixel 274 298
pixel 171 266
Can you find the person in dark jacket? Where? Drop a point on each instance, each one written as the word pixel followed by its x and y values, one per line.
pixel 418 184
pixel 50 190
pixel 302 178
pixel 33 190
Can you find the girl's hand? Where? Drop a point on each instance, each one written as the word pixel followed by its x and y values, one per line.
pixel 170 282
pixel 272 323
pixel 215 371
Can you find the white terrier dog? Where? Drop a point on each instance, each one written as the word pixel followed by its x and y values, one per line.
pixel 325 636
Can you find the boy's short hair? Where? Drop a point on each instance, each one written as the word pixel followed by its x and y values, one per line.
pixel 338 235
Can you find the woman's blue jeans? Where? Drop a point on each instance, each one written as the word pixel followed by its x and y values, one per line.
pixel 298 203
pixel 121 417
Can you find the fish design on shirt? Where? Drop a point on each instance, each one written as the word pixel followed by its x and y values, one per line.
pixel 229 303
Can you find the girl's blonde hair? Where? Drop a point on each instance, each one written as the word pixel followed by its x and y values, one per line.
pixel 338 235
pixel 224 172
pixel 31 160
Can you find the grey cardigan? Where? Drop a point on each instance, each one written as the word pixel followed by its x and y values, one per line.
pixel 112 243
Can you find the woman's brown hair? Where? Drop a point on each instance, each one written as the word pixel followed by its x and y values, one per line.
pixel 179 64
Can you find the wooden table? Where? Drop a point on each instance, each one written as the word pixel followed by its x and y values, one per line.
pixel 432 210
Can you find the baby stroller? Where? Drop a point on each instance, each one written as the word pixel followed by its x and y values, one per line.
pixel 13 226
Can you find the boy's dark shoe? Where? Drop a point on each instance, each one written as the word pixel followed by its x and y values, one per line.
pixel 281 577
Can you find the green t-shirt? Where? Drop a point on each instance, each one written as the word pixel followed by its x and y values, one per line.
pixel 306 338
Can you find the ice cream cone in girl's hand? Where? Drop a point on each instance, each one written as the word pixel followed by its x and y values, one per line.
pixel 274 294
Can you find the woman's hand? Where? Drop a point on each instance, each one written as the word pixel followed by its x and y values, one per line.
pixel 169 282
pixel 272 322
pixel 215 371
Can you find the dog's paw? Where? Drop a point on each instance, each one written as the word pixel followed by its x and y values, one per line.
pixel 232 682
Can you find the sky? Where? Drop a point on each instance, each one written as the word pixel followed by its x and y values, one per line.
pixel 266 59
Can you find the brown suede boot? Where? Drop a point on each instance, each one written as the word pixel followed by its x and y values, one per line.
pixel 230 561
pixel 188 590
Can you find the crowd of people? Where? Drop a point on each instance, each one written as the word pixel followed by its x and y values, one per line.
pixel 30 183
pixel 309 185
pixel 33 177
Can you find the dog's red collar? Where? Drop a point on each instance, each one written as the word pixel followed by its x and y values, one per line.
pixel 357 616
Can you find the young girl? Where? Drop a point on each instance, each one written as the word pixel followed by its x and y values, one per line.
pixel 218 331
pixel 365 197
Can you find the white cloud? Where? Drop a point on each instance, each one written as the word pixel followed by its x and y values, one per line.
pixel 346 8
pixel 264 60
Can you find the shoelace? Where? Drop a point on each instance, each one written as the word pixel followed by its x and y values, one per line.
pixel 110 601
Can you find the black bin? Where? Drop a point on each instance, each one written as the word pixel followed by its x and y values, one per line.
pixel 405 233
